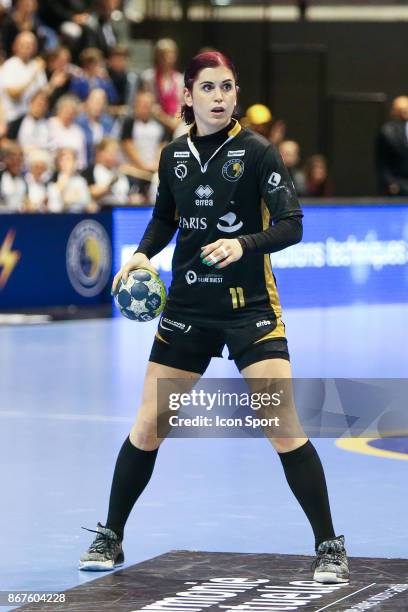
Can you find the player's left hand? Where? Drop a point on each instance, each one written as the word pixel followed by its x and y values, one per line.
pixel 221 253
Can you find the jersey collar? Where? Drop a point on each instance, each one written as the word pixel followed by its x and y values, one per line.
pixel 236 128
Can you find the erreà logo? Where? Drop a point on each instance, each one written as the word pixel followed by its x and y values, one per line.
pixel 204 192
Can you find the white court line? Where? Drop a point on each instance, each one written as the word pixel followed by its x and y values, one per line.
pixel 66 417
pixel 346 597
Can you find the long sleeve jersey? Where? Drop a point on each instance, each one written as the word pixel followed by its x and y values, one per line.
pixel 232 184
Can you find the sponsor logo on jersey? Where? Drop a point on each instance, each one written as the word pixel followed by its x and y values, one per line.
pixel 165 323
pixel 239 153
pixel 233 169
pixel 229 224
pixel 180 171
pixel 192 277
pixel 204 192
pixel 182 154
pixel 263 323
pixel 197 223
pixel 274 179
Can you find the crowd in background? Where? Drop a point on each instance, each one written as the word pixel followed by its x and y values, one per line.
pixel 81 129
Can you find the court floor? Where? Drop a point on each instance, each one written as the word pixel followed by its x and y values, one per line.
pixel 68 393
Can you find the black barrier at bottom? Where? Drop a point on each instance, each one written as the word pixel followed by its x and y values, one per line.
pixel 184 581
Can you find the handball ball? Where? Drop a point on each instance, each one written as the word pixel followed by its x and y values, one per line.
pixel 142 297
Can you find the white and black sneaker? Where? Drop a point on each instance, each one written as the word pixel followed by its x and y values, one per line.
pixel 331 565
pixel 105 553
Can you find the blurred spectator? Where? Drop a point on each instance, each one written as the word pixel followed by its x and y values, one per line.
pixel 103 36
pixel 13 187
pixel 95 122
pixel 24 18
pixel 63 130
pixel 37 179
pixel 124 79
pixel 69 19
pixel 94 76
pixel 290 152
pixel 392 150
pixel 165 83
pixel 21 76
pixel 68 191
pixel 107 183
pixel 32 131
pixel 318 183
pixel 6 25
pixel 142 136
pixel 277 132
pixel 59 71
pixel 258 118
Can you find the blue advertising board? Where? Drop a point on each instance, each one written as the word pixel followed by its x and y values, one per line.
pixel 55 260
pixel 349 254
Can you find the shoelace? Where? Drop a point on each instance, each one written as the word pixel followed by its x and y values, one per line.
pixel 102 542
pixel 331 555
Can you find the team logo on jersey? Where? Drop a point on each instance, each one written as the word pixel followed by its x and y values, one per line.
pixel 274 179
pixel 204 193
pixel 192 277
pixel 239 153
pixel 197 223
pixel 233 169
pixel 180 171
pixel 229 224
pixel 182 154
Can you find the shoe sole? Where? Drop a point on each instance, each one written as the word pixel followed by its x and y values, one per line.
pixel 329 578
pixel 101 566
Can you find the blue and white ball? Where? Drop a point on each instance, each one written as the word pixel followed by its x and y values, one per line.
pixel 142 297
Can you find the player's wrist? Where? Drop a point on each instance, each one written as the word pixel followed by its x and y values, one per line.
pixel 243 243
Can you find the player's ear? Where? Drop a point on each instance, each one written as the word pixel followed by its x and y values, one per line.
pixel 188 98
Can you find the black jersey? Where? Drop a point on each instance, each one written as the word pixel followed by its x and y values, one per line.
pixel 238 191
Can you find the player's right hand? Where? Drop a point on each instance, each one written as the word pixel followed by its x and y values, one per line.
pixel 138 260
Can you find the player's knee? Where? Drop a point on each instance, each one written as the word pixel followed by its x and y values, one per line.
pixel 285 445
pixel 145 438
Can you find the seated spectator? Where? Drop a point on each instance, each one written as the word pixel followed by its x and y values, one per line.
pixel 32 131
pixel 24 18
pixel 70 20
pixel 21 76
pixel 95 122
pixel 103 35
pixel 6 34
pixel 107 184
pixel 13 187
pixel 142 136
pixel 37 179
pixel 68 190
pixel 63 130
pixel 165 83
pixel 122 76
pixel 94 76
pixel 290 152
pixel 392 151
pixel 59 71
pixel 318 184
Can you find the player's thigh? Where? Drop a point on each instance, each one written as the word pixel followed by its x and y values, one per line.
pixel 154 406
pixel 274 378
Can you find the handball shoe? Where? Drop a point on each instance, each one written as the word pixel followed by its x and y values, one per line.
pixel 331 565
pixel 105 552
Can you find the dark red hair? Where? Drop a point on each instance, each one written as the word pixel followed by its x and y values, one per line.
pixel 207 59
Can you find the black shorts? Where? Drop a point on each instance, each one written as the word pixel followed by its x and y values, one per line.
pixel 190 347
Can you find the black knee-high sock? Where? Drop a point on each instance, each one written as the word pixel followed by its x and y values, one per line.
pixel 305 476
pixel 133 470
